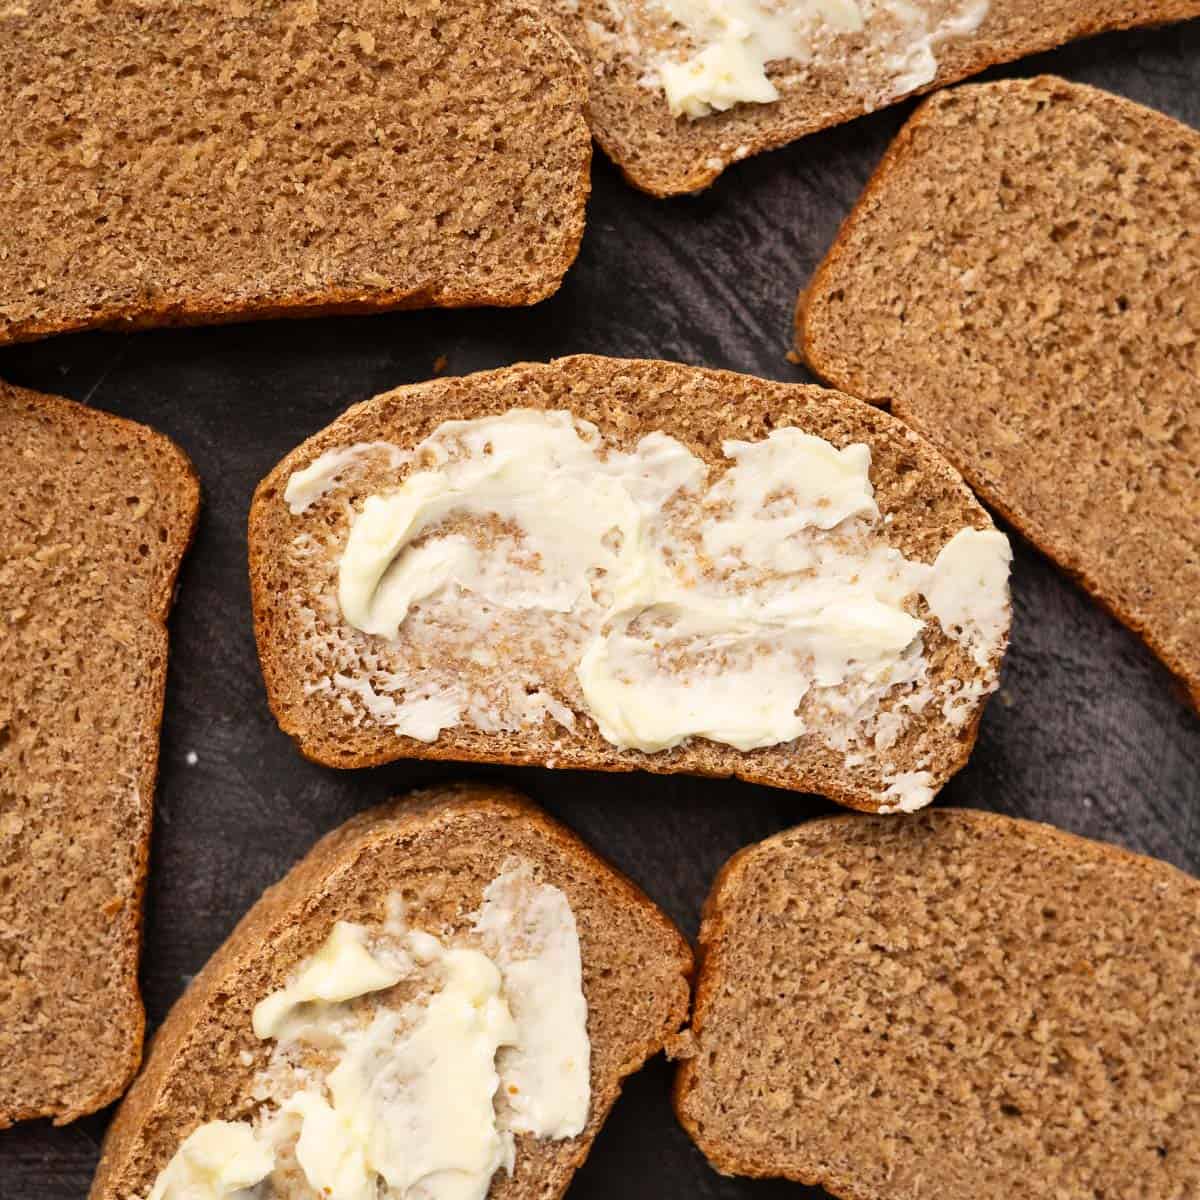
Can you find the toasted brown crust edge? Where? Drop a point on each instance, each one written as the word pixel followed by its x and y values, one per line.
pixel 824 279
pixel 700 177
pixel 310 747
pixel 128 318
pixel 726 1160
pixel 174 460
pixel 405 813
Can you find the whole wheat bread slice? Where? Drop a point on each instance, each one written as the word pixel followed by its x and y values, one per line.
pixel 201 161
pixel 1021 282
pixel 305 644
pixel 97 514
pixel 439 849
pixel 959 1005
pixel 667 155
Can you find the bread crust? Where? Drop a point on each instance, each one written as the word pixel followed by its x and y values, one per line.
pixel 335 302
pixel 444 398
pixel 127 1006
pixel 742 1161
pixel 321 873
pixel 568 760
pixel 843 375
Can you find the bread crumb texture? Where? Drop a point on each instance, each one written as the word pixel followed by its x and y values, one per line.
pixel 959 1004
pixel 341 693
pixel 177 162
pixel 97 512
pixel 898 50
pixel 1021 280
pixel 438 850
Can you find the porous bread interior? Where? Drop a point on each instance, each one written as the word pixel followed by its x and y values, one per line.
pixel 439 849
pixel 97 512
pixel 186 162
pixel 665 155
pixel 292 556
pixel 1022 281
pixel 958 1001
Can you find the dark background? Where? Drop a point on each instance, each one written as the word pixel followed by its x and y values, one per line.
pixel 1086 732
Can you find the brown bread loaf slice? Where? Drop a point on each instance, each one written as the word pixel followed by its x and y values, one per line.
pixel 847 73
pixel 959 1004
pixel 200 160
pixel 332 686
pixel 1021 281
pixel 439 849
pixel 97 514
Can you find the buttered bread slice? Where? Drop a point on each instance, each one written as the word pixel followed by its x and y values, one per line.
pixel 441 1000
pixel 681 89
pixel 616 564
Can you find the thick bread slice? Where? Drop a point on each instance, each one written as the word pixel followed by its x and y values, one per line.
pixel 959 1005
pixel 197 161
pixel 97 514
pixel 302 637
pixel 440 848
pixel 846 77
pixel 1021 281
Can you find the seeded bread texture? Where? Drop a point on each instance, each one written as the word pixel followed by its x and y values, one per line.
pixel 203 161
pixel 959 1004
pixel 665 155
pixel 1021 281
pixel 439 849
pixel 921 496
pixel 97 514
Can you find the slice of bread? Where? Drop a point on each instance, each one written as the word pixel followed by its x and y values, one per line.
pixel 1021 282
pixel 332 687
pixel 200 161
pixel 846 75
pixel 439 850
pixel 97 514
pixel 959 1004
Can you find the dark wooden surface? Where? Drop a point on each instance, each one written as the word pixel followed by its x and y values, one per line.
pixel 1086 731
